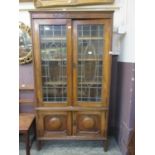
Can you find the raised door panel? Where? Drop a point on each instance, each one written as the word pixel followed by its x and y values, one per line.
pixel 53 124
pixel 92 62
pixel 90 123
pixel 52 59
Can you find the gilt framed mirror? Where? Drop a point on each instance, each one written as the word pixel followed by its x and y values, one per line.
pixel 25 44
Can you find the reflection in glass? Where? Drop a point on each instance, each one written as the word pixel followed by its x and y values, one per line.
pixel 25 44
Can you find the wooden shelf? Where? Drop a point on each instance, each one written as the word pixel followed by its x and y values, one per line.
pixel 91 59
pixel 55 83
pixel 89 83
pixel 54 49
pixel 53 38
pixel 26 87
pixel 90 38
pixel 57 59
pixel 26 101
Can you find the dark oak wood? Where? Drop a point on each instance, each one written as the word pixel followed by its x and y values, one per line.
pixel 105 145
pixel 72 108
pixel 72 138
pixel 48 14
pixel 90 123
pixel 72 120
pixel 106 62
pixel 37 60
pixel 27 143
pixel 51 123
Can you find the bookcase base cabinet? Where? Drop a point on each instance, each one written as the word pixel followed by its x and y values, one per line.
pixel 68 125
pixel 79 123
pixel 72 72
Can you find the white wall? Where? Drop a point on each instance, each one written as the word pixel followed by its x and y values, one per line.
pixel 123 36
pixel 127 40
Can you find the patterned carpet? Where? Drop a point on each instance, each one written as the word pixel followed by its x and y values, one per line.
pixel 72 148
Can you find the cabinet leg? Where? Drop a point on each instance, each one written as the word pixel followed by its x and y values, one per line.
pixel 34 129
pixel 105 145
pixel 39 144
pixel 27 143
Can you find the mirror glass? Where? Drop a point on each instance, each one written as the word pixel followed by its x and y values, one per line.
pixel 25 44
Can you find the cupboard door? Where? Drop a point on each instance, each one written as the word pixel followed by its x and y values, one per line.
pixel 91 72
pixel 51 124
pixel 52 58
pixel 90 123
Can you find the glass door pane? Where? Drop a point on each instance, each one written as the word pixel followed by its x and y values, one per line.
pixel 90 47
pixel 53 62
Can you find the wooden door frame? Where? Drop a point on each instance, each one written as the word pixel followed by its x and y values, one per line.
pixel 106 61
pixel 37 61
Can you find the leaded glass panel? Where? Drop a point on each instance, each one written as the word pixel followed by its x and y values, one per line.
pixel 54 62
pixel 90 65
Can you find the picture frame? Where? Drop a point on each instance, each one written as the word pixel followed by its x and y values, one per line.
pixel 60 3
pixel 25 1
pixel 25 44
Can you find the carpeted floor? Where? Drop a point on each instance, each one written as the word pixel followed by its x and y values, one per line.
pixel 72 148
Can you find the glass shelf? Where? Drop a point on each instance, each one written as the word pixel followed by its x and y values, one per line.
pixel 89 83
pixel 54 60
pixel 55 99
pixel 93 59
pixel 66 59
pixel 55 83
pixel 90 38
pixel 53 39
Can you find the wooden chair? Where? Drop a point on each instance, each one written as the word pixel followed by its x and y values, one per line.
pixel 26 122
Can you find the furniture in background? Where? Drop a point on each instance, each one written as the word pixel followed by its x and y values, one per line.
pixel 27 120
pixel 72 71
pixel 131 144
pixel 26 100
pixel 25 44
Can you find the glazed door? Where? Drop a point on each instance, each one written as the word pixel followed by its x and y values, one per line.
pixel 91 62
pixel 52 58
